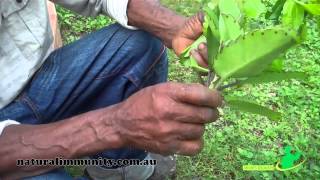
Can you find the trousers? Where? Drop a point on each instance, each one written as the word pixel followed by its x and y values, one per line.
pixel 101 69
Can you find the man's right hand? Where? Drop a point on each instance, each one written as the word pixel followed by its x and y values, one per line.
pixel 167 118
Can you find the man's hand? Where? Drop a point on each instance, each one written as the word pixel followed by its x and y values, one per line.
pixel 167 118
pixel 175 31
pixel 188 33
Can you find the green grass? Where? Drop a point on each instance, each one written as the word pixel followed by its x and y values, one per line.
pixel 238 139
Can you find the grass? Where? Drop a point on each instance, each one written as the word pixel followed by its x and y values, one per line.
pixel 238 139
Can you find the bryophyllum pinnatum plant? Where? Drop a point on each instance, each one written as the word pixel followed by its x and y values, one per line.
pixel 242 51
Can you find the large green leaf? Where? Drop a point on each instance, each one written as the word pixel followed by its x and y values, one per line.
pixel 229 28
pixel 230 7
pixel 253 8
pixel 212 21
pixel 253 108
pixel 213 44
pixel 311 8
pixel 213 4
pixel 293 15
pixel 252 53
pixel 267 77
pixel 275 13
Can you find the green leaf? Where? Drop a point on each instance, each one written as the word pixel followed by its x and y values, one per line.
pixel 193 64
pixel 186 52
pixel 253 8
pixel 275 13
pixel 229 28
pixel 311 8
pixel 253 108
pixel 187 60
pixel 213 44
pixel 212 21
pixel 293 15
pixel 230 7
pixel 213 4
pixel 252 53
pixel 267 77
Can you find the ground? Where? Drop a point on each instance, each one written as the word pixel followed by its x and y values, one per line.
pixel 238 139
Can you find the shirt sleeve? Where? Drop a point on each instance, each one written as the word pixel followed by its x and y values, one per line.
pixel 116 9
pixel 4 124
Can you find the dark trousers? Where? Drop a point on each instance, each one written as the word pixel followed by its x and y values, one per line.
pixel 101 69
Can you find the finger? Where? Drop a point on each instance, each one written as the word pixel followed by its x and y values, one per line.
pixel 188 113
pixel 187 131
pixel 196 94
pixel 203 50
pixel 200 16
pixel 198 57
pixel 194 24
pixel 190 148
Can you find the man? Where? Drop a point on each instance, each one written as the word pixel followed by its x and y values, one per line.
pixel 102 96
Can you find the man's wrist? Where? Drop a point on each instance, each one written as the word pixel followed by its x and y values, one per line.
pixel 151 16
pixel 110 132
pixel 176 25
pixel 79 136
pixel 100 132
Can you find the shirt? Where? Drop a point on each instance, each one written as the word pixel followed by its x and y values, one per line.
pixel 26 38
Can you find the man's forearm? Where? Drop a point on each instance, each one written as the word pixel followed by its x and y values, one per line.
pixel 82 135
pixel 151 16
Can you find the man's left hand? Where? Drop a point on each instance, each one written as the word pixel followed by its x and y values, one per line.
pixel 188 33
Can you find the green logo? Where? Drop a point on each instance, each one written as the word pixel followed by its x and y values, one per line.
pixel 290 160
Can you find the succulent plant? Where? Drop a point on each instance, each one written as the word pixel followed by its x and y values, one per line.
pixel 246 55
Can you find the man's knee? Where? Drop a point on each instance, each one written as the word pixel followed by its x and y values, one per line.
pixel 130 46
pixel 142 43
pixel 141 53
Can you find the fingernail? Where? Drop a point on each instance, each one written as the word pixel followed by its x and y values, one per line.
pixel 201 16
pixel 201 46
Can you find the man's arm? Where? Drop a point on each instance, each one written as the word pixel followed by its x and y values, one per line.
pixel 116 9
pixel 82 135
pixel 177 32
pixel 151 16
pixel 167 118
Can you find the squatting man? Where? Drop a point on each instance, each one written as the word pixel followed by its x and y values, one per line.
pixel 104 95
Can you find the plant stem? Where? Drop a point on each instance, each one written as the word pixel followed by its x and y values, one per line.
pixel 210 78
pixel 218 84
pixel 221 88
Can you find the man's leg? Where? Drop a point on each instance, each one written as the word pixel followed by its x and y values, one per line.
pixel 57 174
pixel 102 69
